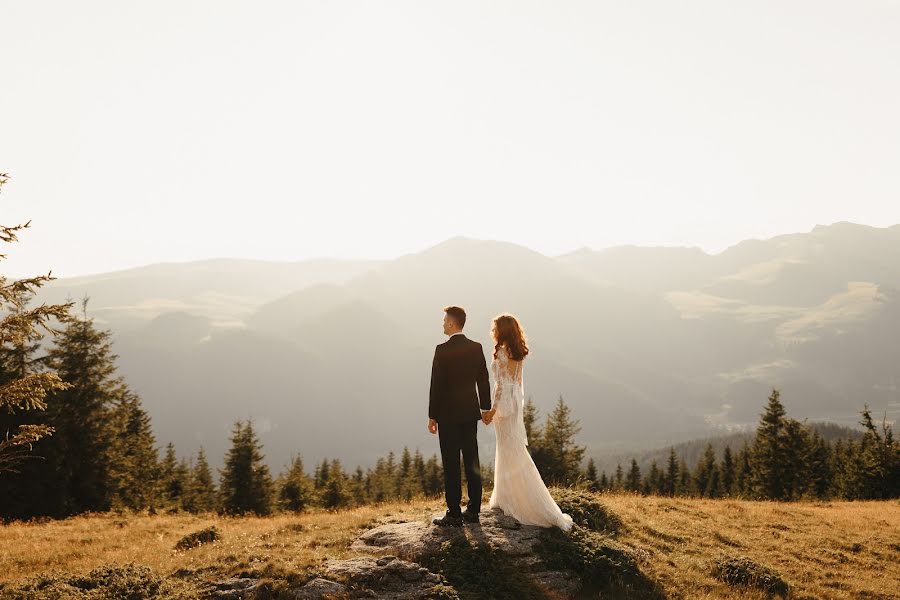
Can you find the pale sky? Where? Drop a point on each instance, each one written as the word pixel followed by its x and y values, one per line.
pixel 142 132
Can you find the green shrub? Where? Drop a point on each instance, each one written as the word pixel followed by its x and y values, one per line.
pixel 586 509
pixel 599 559
pixel 741 570
pixel 198 538
pixel 478 572
pixel 122 582
pixel 602 563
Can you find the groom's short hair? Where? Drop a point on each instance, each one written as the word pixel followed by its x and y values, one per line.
pixel 458 314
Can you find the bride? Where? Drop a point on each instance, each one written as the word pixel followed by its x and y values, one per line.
pixel 518 488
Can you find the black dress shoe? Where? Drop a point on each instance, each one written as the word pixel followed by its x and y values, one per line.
pixel 448 520
pixel 470 516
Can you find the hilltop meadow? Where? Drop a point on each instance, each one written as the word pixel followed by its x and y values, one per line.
pixel 818 549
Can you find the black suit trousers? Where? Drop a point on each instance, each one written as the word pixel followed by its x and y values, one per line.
pixel 455 438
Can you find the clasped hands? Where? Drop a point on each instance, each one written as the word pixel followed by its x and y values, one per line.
pixel 486 417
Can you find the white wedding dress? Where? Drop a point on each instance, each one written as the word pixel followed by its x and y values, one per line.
pixel 518 488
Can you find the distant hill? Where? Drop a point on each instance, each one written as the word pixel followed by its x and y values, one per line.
pixel 689 452
pixel 648 346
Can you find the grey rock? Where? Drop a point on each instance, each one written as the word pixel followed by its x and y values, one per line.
pixel 408 540
pixel 235 588
pixel 383 577
pixel 321 589
pixel 412 540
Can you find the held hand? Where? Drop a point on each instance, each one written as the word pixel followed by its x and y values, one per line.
pixel 432 426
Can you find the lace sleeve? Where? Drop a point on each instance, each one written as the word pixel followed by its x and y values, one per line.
pixel 499 367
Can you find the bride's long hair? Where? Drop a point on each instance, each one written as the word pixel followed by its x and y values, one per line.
pixel 506 331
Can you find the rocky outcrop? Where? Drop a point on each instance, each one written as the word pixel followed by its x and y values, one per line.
pixel 412 540
pixel 390 567
pixel 391 556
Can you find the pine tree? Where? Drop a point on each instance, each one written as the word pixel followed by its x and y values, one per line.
pixel 418 475
pixel 80 453
pixel 202 495
pixel 246 485
pixel 685 485
pixel 296 491
pixel 703 474
pixel 618 482
pixel 358 487
pixel 848 469
pixel 877 455
pixel 767 457
pixel 892 458
pixel 796 442
pixel 391 475
pixel 633 483
pixel 405 468
pixel 322 472
pixel 379 481
pixel 820 474
pixel 369 493
pixel 407 486
pixel 337 493
pixel 183 473
pixel 173 478
pixel 742 477
pixel 604 482
pixel 134 467
pixel 434 477
pixel 714 488
pixel 24 476
pixel 590 474
pixel 671 477
pixel 728 472
pixel 655 483
pixel 24 382
pixel 565 457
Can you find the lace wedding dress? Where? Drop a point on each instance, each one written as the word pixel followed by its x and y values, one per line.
pixel 518 488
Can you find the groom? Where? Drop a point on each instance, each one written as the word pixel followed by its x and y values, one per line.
pixel 453 413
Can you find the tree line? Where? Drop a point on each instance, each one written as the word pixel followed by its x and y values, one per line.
pixel 787 460
pixel 97 451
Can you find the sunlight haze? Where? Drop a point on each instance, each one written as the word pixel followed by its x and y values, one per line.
pixel 137 133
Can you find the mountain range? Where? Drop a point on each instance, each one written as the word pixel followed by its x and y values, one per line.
pixel 648 346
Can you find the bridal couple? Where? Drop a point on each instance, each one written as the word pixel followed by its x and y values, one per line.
pixel 454 409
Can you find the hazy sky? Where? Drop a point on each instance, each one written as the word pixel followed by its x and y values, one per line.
pixel 140 132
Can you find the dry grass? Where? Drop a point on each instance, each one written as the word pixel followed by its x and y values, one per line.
pixel 279 545
pixel 823 550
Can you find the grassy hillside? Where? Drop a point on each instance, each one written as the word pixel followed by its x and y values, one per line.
pixel 820 549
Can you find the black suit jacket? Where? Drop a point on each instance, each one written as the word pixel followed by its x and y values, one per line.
pixel 458 368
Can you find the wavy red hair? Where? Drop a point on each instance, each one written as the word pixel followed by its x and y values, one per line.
pixel 506 331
